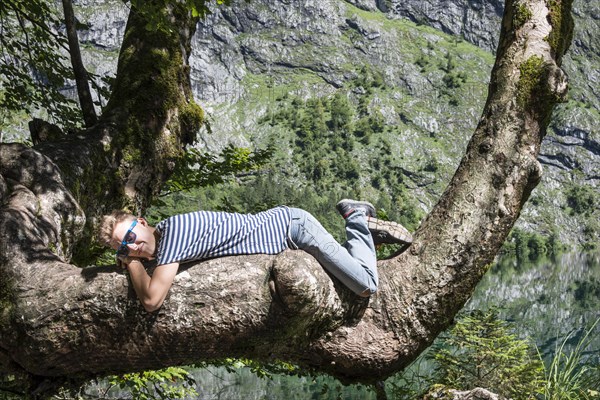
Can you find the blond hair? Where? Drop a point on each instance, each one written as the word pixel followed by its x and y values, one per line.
pixel 108 223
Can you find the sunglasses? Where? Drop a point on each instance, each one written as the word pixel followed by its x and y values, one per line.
pixel 129 238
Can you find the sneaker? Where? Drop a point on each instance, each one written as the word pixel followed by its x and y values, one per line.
pixel 346 207
pixel 388 232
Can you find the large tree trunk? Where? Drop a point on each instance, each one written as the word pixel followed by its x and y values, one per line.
pixel 60 320
pixel 123 161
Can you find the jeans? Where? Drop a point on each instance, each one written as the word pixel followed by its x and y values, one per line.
pixel 354 263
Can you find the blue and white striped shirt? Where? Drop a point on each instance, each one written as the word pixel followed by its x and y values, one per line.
pixel 206 234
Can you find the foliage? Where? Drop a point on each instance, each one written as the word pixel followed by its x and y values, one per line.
pixel 281 373
pixel 168 383
pixel 452 79
pixel 323 138
pixel 33 68
pixel 591 234
pixel 582 200
pixel 261 370
pixel 414 382
pixel 531 246
pixel 200 168
pixel 236 380
pixel 481 350
pixel 572 374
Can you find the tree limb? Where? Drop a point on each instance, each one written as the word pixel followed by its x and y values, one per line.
pixel 81 76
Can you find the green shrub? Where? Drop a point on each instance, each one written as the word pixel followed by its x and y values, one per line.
pixel 582 199
pixel 591 234
pixel 481 350
pixel 422 61
pixel 168 383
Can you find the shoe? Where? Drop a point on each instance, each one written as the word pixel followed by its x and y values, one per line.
pixel 346 207
pixel 388 232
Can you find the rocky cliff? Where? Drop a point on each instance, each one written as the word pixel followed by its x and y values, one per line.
pixel 332 39
pixel 433 58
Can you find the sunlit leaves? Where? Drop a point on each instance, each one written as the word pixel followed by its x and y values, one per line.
pixel 33 65
pixel 199 7
pixel 168 383
pixel 260 369
pixel 200 168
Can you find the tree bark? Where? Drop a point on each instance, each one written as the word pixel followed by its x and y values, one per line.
pixel 123 161
pixel 81 76
pixel 60 320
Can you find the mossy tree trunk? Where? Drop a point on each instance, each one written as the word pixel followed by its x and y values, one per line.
pixel 123 161
pixel 151 115
pixel 58 320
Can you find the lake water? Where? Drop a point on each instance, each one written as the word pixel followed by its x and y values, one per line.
pixel 546 299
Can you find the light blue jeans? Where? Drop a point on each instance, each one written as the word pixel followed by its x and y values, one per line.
pixel 354 263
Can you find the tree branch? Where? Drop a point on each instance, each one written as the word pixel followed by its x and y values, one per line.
pixel 81 77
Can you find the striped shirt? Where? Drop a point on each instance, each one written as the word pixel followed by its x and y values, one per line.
pixel 206 234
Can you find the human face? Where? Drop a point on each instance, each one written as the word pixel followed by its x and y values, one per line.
pixel 129 237
pixel 144 243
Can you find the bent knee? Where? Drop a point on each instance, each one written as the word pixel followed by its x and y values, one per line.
pixel 368 292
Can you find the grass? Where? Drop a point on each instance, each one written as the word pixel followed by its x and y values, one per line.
pixel 570 375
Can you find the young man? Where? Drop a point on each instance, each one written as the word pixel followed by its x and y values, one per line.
pixel 206 234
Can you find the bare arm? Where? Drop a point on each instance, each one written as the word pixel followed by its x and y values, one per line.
pixel 151 290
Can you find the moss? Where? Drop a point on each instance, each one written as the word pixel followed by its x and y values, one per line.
pixel 52 247
pixel 522 15
pixel 132 155
pixel 562 26
pixel 149 87
pixel 191 118
pixel 533 91
pixel 532 72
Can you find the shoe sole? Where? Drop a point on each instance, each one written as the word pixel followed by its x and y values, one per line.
pixel 388 232
pixel 366 204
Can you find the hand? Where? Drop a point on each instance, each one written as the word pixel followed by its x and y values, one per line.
pixel 123 261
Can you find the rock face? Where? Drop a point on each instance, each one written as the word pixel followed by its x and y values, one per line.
pixel 105 23
pixel 248 55
pixel 477 21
